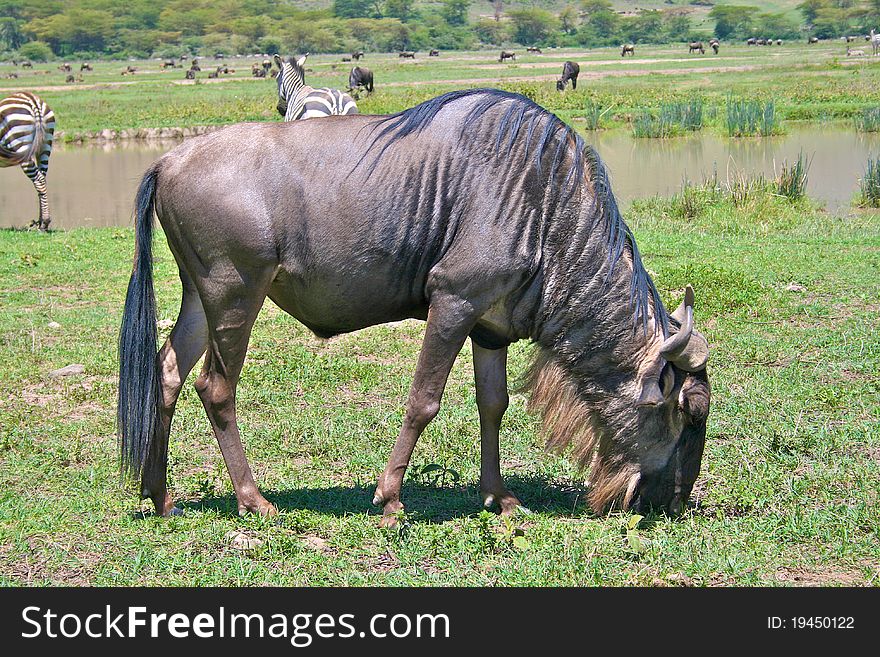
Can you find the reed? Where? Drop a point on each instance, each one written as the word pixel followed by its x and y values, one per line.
pixel 869 186
pixel 792 180
pixel 751 117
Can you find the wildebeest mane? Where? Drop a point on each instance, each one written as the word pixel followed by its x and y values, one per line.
pixel 553 136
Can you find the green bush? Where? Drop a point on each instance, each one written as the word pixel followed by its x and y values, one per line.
pixel 36 51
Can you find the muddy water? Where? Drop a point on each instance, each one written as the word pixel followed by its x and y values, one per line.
pixel 95 185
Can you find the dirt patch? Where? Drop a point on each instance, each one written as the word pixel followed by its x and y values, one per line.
pixel 819 576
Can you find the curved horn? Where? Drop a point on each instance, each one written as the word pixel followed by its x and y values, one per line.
pixel 687 349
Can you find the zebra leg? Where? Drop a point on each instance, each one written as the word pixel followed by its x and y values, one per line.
pixel 38 178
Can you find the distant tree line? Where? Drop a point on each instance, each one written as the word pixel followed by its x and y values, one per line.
pixel 43 29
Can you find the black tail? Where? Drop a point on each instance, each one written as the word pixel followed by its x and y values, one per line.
pixel 139 402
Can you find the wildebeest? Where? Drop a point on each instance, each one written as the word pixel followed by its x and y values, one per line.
pixel 854 52
pixel 385 218
pixel 65 67
pixel 194 65
pixel 26 64
pixel 346 59
pixel 778 42
pixel 694 46
pixel 506 55
pixel 359 78
pixel 751 41
pixel 570 71
pixel 407 54
pixel 534 50
pixel 714 44
pixel 434 53
pixel 258 71
pixel 70 78
pixel 357 54
pixel 190 74
pixel 628 48
pixel 813 39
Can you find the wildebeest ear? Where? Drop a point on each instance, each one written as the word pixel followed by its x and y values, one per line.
pixel 278 61
pixel 694 397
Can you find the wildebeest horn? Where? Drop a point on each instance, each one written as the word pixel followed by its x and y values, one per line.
pixel 688 349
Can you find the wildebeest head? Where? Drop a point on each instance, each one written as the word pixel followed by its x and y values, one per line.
pixel 639 424
pixel 291 75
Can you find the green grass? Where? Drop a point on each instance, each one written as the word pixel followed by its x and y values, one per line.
pixel 869 186
pixel 804 82
pixel 786 294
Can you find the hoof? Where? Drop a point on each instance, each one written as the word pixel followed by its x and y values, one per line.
pixel 506 502
pixel 388 522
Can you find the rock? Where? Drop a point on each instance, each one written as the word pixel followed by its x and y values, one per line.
pixel 239 540
pixel 69 370
pixel 53 325
pixel 795 287
pixel 316 543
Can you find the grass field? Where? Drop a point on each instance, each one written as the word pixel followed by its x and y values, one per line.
pixel 806 82
pixel 787 295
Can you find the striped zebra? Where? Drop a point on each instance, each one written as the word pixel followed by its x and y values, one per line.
pixel 297 100
pixel 27 126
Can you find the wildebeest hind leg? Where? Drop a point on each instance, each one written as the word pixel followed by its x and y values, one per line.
pixel 231 315
pixel 179 354
pixel 490 377
pixel 449 322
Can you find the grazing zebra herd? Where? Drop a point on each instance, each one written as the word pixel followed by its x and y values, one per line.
pixel 27 126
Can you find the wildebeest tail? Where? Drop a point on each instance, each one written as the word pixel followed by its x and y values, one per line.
pixel 139 400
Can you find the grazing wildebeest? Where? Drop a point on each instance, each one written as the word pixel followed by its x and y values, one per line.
pixel 751 41
pixel 26 64
pixel 27 129
pixel 714 44
pixel 385 218
pixel 778 42
pixel 407 54
pixel 168 63
pixel 357 54
pixel 506 55
pixel 267 64
pixel 570 71
pixel 70 78
pixel 694 46
pixel 194 65
pixel 359 78
pixel 761 42
pixel 190 74
pixel 65 67
pixel 534 50
pixel 812 40
pixel 434 53
pixel 628 48
pixel 216 73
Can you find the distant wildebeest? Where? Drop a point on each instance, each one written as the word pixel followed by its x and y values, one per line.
pixel 849 39
pixel 434 53
pixel 778 42
pixel 751 41
pixel 297 100
pixel 65 67
pixel 628 48
pixel 346 59
pixel 357 54
pixel 694 46
pixel 505 54
pixel 214 74
pixel 570 72
pixel 812 40
pixel 70 78
pixel 190 74
pixel 258 72
pixel 267 64
pixel 12 75
pixel 370 226
pixel 762 42
pixel 407 54
pixel 26 64
pixel 194 65
pixel 359 78
pixel 27 128
pixel 852 52
pixel 168 63
pixel 218 55
pixel 534 50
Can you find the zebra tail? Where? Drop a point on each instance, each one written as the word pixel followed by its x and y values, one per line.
pixel 139 399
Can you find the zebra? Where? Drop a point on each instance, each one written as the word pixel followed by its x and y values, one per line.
pixel 297 100
pixel 27 127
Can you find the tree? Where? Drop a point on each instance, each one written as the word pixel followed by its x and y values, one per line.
pixel 733 21
pixel 10 33
pixel 455 12
pixel 355 8
pixel 36 50
pixel 402 9
pixel 568 19
pixel 532 26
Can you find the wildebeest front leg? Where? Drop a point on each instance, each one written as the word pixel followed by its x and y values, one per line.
pixel 449 322
pixel 490 377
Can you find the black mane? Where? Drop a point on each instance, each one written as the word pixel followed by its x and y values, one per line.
pixel 555 134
